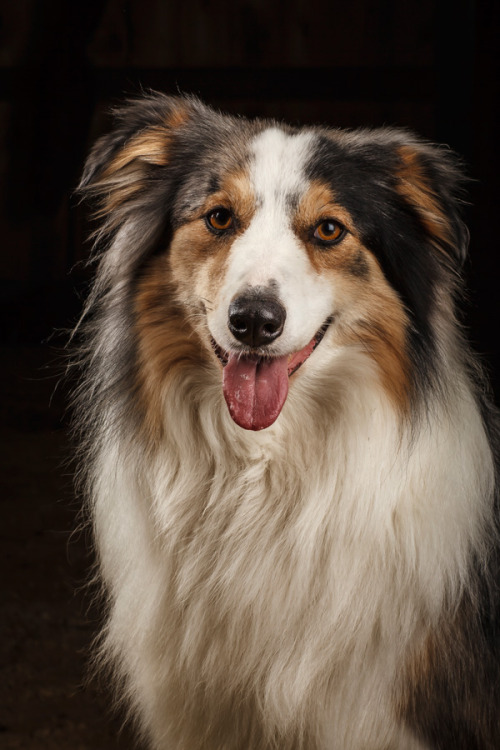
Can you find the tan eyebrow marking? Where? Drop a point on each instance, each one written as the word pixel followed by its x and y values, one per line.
pixel 414 187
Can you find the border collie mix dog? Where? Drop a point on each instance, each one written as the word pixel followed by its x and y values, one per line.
pixel 288 449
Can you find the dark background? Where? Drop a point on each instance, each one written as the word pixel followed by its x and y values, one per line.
pixel 428 65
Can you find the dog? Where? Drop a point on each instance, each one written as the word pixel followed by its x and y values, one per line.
pixel 290 452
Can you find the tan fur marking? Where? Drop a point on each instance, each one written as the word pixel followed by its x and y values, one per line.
pixel 378 322
pixel 123 176
pixel 195 248
pixel 166 342
pixel 415 189
pixel 236 188
pixel 149 146
pixel 317 205
pixel 178 117
pixel 235 193
pixel 384 335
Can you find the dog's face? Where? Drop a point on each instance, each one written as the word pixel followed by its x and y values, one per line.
pixel 285 246
pixel 276 263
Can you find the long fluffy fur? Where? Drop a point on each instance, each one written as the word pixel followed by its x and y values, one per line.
pixel 330 582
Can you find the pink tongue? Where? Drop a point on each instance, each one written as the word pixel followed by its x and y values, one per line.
pixel 255 390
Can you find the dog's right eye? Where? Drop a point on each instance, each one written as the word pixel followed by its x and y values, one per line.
pixel 329 232
pixel 219 219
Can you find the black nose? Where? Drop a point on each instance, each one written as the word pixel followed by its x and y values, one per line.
pixel 256 319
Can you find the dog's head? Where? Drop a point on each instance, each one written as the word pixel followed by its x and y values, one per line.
pixel 285 246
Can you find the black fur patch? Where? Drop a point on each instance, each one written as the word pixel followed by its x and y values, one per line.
pixel 362 168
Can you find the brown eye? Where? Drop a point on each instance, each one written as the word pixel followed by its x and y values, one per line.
pixel 219 219
pixel 329 231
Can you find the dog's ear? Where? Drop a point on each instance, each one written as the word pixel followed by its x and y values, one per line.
pixel 430 180
pixel 121 162
pixel 131 177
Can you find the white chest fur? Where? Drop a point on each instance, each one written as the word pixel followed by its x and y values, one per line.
pixel 291 568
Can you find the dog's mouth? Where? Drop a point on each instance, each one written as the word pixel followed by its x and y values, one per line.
pixel 255 386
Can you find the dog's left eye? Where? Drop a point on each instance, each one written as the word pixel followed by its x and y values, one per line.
pixel 329 231
pixel 219 219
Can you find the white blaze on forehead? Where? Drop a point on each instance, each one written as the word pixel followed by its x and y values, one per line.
pixel 277 170
pixel 269 252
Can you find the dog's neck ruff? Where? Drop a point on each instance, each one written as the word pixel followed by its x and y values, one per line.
pixel 274 541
